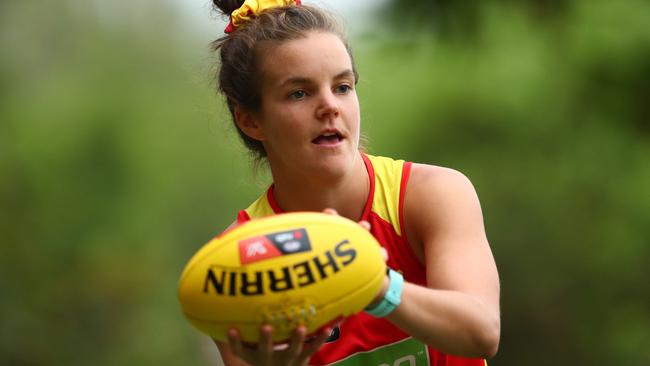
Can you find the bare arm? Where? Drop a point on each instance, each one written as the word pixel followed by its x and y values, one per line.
pixel 458 311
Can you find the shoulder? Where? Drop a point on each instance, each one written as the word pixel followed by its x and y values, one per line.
pixel 438 183
pixel 439 200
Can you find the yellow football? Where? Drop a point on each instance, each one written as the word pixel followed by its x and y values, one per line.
pixel 285 270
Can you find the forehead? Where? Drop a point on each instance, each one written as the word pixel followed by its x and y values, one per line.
pixel 317 55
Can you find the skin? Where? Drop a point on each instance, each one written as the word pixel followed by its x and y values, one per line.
pixel 308 90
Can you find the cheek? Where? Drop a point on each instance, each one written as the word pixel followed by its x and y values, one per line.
pixel 294 116
pixel 278 117
pixel 289 123
pixel 300 117
pixel 354 113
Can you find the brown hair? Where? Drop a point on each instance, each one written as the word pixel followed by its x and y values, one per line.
pixel 241 52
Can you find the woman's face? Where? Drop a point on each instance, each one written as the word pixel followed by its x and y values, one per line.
pixel 309 120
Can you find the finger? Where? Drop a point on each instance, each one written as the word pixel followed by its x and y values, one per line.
pixel 384 253
pixel 235 342
pixel 315 344
pixel 297 341
pixel 265 346
pixel 365 224
pixel 330 211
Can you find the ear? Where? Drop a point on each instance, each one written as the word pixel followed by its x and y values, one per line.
pixel 248 123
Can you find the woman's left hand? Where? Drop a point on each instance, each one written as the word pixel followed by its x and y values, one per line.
pixel 295 353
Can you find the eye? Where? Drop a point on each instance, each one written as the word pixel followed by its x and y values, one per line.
pixel 343 89
pixel 298 94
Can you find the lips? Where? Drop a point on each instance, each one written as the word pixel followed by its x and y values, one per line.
pixel 328 138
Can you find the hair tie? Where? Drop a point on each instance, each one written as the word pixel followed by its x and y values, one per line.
pixel 252 8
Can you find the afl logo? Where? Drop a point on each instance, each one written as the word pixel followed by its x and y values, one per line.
pixel 273 245
pixel 291 246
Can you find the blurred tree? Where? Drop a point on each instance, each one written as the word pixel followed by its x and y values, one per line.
pixel 115 166
pixel 108 148
pixel 545 107
pixel 460 18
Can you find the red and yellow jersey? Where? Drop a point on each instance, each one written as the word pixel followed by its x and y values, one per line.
pixel 363 339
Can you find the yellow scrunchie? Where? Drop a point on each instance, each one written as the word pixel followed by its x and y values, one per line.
pixel 252 8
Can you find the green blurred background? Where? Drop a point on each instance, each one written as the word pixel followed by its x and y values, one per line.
pixel 117 162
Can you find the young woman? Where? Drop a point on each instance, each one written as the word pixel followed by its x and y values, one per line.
pixel 289 80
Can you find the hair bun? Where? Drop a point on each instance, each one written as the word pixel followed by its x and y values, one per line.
pixel 227 6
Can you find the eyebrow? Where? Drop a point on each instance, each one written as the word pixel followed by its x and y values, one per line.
pixel 304 80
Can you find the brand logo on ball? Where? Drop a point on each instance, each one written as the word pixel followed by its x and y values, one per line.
pixel 259 248
pixel 241 282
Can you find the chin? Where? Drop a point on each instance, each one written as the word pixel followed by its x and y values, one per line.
pixel 334 166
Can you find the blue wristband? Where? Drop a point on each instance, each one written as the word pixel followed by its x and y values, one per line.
pixel 392 298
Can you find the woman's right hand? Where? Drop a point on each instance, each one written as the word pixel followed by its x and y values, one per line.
pixel 265 353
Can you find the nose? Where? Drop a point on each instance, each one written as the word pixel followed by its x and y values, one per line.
pixel 328 105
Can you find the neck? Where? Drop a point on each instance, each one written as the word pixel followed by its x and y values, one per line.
pixel 346 194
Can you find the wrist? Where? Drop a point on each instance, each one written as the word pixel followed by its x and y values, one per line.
pixel 382 292
pixel 392 296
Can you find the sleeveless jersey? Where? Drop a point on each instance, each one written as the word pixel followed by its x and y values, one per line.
pixel 362 339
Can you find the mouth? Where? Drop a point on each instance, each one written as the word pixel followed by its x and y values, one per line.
pixel 328 138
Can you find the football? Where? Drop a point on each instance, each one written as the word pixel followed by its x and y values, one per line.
pixel 285 270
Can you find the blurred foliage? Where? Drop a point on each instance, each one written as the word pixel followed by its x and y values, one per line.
pixel 550 118
pixel 118 161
